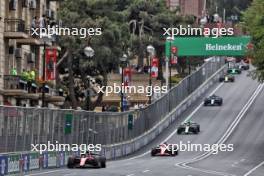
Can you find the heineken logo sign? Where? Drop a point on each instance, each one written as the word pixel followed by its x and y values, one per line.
pixel 227 47
pixel 208 46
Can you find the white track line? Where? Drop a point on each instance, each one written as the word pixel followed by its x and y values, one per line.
pixel 145 171
pixel 200 105
pixel 42 173
pixel 224 137
pixel 252 170
pixel 141 155
pixel 187 119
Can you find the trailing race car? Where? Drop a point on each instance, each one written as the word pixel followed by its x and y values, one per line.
pixel 88 159
pixel 234 70
pixel 164 150
pixel 227 78
pixel 213 100
pixel 189 128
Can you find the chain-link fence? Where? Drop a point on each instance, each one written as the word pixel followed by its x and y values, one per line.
pixel 21 127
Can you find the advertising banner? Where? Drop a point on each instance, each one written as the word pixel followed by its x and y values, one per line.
pixel 13 163
pixel 45 160
pixel 51 59
pixel 154 67
pixel 25 159
pixel 52 159
pixel 208 46
pixel 34 161
pixel 127 76
pixel 3 165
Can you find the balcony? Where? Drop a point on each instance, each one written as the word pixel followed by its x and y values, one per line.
pixel 14 86
pixel 15 29
pixel 51 95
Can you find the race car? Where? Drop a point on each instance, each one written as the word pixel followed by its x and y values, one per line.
pixel 85 160
pixel 234 70
pixel 227 78
pixel 243 66
pixel 213 100
pixel 164 150
pixel 189 128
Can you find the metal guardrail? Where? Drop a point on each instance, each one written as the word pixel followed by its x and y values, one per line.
pixel 20 127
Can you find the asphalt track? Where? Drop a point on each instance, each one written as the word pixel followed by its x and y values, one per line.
pixel 239 121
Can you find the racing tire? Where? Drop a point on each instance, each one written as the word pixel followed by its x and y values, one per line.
pixel 70 163
pixel 103 164
pixel 198 129
pixel 153 153
pixel 179 131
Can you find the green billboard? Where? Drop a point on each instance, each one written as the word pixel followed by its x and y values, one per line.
pixel 207 46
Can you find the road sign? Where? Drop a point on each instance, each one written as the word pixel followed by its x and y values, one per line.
pixel 208 46
pixel 130 121
pixel 68 124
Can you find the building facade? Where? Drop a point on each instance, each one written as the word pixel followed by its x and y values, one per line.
pixel 192 7
pixel 21 54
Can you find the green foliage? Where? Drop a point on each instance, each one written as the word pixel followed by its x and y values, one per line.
pixel 128 26
pixel 253 19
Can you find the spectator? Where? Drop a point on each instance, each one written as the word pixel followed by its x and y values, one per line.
pixel 42 21
pixel 34 23
pixel 32 75
pixel 25 75
pixel 103 108
pixel 13 71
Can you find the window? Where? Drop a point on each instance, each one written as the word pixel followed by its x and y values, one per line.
pixel 12 4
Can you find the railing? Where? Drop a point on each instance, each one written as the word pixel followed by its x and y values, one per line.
pixel 14 82
pixel 14 25
pixel 36 126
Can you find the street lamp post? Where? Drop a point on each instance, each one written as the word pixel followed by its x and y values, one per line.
pixel 170 39
pixel 151 52
pixel 123 60
pixel 89 52
pixel 46 39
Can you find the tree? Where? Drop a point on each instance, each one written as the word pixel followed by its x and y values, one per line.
pixel 146 22
pixel 128 26
pixel 253 19
pixel 108 46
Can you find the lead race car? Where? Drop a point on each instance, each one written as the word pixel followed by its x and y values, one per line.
pixel 85 160
pixel 189 128
pixel 213 100
pixel 164 150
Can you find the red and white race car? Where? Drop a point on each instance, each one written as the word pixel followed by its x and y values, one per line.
pixel 164 150
pixel 88 159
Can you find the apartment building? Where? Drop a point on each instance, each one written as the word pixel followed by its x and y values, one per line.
pixel 192 7
pixel 172 4
pixel 187 7
pixel 21 53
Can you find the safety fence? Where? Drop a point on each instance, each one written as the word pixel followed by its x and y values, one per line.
pixel 20 127
pixel 79 127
